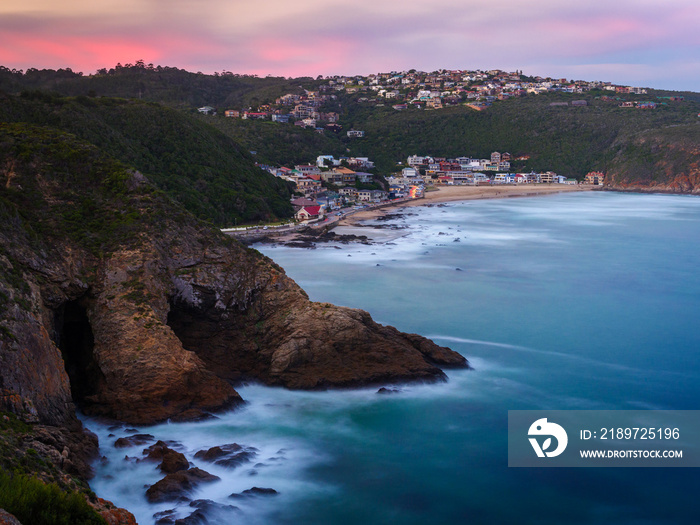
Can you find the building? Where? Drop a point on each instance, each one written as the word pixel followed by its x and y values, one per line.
pixel 349 176
pixel 253 115
pixel 364 178
pixel 307 169
pixel 307 213
pixel 355 133
pixel 333 177
pixel 595 177
pixel 361 162
pixel 323 161
pixel 308 186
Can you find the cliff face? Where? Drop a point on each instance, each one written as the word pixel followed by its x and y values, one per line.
pixel 659 161
pixel 115 299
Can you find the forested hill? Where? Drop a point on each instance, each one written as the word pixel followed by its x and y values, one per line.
pixel 202 168
pixel 645 148
pixel 166 85
pixel 571 140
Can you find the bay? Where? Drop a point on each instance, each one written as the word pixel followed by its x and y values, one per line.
pixel 576 301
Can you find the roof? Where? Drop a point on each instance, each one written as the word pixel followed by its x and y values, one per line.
pixel 311 210
pixel 303 201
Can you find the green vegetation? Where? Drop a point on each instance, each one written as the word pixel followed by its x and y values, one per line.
pixel 569 140
pixel 79 192
pixel 204 170
pixel 34 502
pixel 278 144
pixel 657 155
pixel 165 85
pixel 204 161
pixel 53 499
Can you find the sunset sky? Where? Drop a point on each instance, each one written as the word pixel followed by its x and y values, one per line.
pixel 654 43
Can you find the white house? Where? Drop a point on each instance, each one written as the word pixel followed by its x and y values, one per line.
pixel 324 160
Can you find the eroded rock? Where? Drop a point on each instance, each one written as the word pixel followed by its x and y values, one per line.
pixel 231 456
pixel 178 485
pixel 170 460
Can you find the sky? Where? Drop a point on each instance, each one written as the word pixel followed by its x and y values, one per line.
pixel 646 43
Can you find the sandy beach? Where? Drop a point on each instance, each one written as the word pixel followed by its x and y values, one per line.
pixel 463 193
pixel 349 224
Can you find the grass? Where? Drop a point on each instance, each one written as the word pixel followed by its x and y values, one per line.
pixel 34 502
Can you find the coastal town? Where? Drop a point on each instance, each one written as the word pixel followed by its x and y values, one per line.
pixel 404 90
pixel 332 184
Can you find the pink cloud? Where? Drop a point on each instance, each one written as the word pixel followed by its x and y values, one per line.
pixel 313 37
pixel 69 51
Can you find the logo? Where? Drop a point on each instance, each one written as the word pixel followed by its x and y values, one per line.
pixel 543 428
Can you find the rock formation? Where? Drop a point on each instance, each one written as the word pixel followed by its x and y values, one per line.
pixel 158 321
pixel 112 297
pixel 658 161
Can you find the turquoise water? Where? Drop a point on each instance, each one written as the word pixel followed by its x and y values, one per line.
pixel 578 301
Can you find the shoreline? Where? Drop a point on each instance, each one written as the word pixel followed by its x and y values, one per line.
pixel 447 194
pixel 323 232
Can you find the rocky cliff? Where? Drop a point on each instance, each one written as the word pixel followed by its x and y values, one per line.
pixel 116 299
pixel 663 160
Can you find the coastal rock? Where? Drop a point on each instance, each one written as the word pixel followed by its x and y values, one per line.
pixel 165 517
pixel 178 485
pixel 384 390
pixel 8 519
pixel 207 511
pixel 115 299
pixel 132 441
pixel 255 491
pixel 657 161
pixel 170 460
pixel 114 515
pixel 231 456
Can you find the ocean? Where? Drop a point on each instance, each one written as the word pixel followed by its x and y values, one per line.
pixel 579 301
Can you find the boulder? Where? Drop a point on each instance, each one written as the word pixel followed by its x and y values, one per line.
pixel 231 455
pixel 178 485
pixel 254 491
pixel 170 460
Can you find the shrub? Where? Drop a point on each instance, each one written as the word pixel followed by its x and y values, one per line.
pixel 34 502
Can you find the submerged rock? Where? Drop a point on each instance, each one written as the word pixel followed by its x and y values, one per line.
pixel 231 456
pixel 254 491
pixel 170 460
pixel 207 512
pixel 132 441
pixel 178 485
pixel 165 517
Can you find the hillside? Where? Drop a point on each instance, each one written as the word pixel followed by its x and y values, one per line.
pixel 546 128
pixel 207 172
pixel 116 299
pixel 657 160
pixel 162 84
pixel 567 139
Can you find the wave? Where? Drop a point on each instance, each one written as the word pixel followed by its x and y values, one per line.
pixel 562 355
